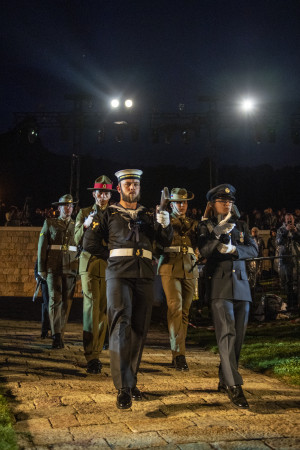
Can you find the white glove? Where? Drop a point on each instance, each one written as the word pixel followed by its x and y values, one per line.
pixel 163 218
pixel 88 220
pixel 43 275
pixel 223 228
pixel 226 248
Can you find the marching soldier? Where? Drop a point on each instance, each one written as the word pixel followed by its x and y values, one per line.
pixel 129 229
pixel 92 272
pixel 179 274
pixel 226 242
pixel 58 265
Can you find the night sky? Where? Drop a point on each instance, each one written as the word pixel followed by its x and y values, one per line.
pixel 162 54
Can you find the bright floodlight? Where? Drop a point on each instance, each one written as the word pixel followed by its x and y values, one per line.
pixel 115 103
pixel 128 103
pixel 247 105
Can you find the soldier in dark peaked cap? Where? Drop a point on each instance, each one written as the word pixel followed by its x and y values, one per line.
pixel 130 230
pixel 58 265
pixel 225 242
pixel 92 271
pixel 179 273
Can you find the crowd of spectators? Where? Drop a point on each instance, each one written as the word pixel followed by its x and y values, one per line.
pixel 266 220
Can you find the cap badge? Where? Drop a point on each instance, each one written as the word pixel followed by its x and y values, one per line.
pixel 227 190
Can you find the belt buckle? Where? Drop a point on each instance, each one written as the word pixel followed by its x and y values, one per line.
pixel 64 247
pixel 184 250
pixel 138 252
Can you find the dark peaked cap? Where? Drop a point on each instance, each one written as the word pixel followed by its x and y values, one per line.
pixel 225 191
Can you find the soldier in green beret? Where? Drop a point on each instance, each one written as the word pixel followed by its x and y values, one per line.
pixel 92 272
pixel 179 273
pixel 58 265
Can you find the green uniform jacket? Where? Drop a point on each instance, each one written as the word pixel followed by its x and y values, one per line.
pixel 62 261
pixel 88 262
pixel 179 264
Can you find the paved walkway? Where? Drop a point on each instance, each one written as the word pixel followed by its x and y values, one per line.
pixel 57 405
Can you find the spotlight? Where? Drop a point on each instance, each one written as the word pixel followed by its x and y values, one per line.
pixel 247 105
pixel 128 103
pixel 115 103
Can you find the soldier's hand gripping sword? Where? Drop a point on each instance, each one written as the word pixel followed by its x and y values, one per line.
pixel 164 199
pixel 162 215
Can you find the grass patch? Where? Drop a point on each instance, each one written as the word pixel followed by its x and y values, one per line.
pixel 8 440
pixel 271 348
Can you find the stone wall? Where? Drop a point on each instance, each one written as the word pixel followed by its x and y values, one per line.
pixel 18 252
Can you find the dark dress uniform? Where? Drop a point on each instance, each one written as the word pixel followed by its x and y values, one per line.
pixel 229 292
pixel 178 275
pixel 92 272
pixel 57 257
pixel 129 278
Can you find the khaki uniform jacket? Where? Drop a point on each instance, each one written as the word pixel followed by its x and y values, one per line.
pixel 87 262
pixel 63 261
pixel 179 264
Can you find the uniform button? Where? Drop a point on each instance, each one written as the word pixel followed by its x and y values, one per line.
pixel 233 270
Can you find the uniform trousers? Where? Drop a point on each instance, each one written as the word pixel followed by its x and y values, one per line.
pixel 129 306
pixel 94 314
pixel 179 294
pixel 230 321
pixel 61 289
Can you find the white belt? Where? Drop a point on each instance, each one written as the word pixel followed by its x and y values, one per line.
pixel 71 248
pixel 131 252
pixel 178 249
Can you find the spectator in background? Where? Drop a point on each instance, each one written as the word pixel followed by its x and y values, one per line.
pixel 269 219
pixel 288 241
pixel 297 216
pixel 2 213
pixel 255 267
pixel 13 217
pixel 194 214
pixel 257 219
pixel 273 248
pixel 280 218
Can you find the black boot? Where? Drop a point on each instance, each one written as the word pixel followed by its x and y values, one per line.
pixel 222 387
pixel 136 394
pixel 236 396
pixel 179 362
pixel 57 341
pixel 124 398
pixel 94 366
